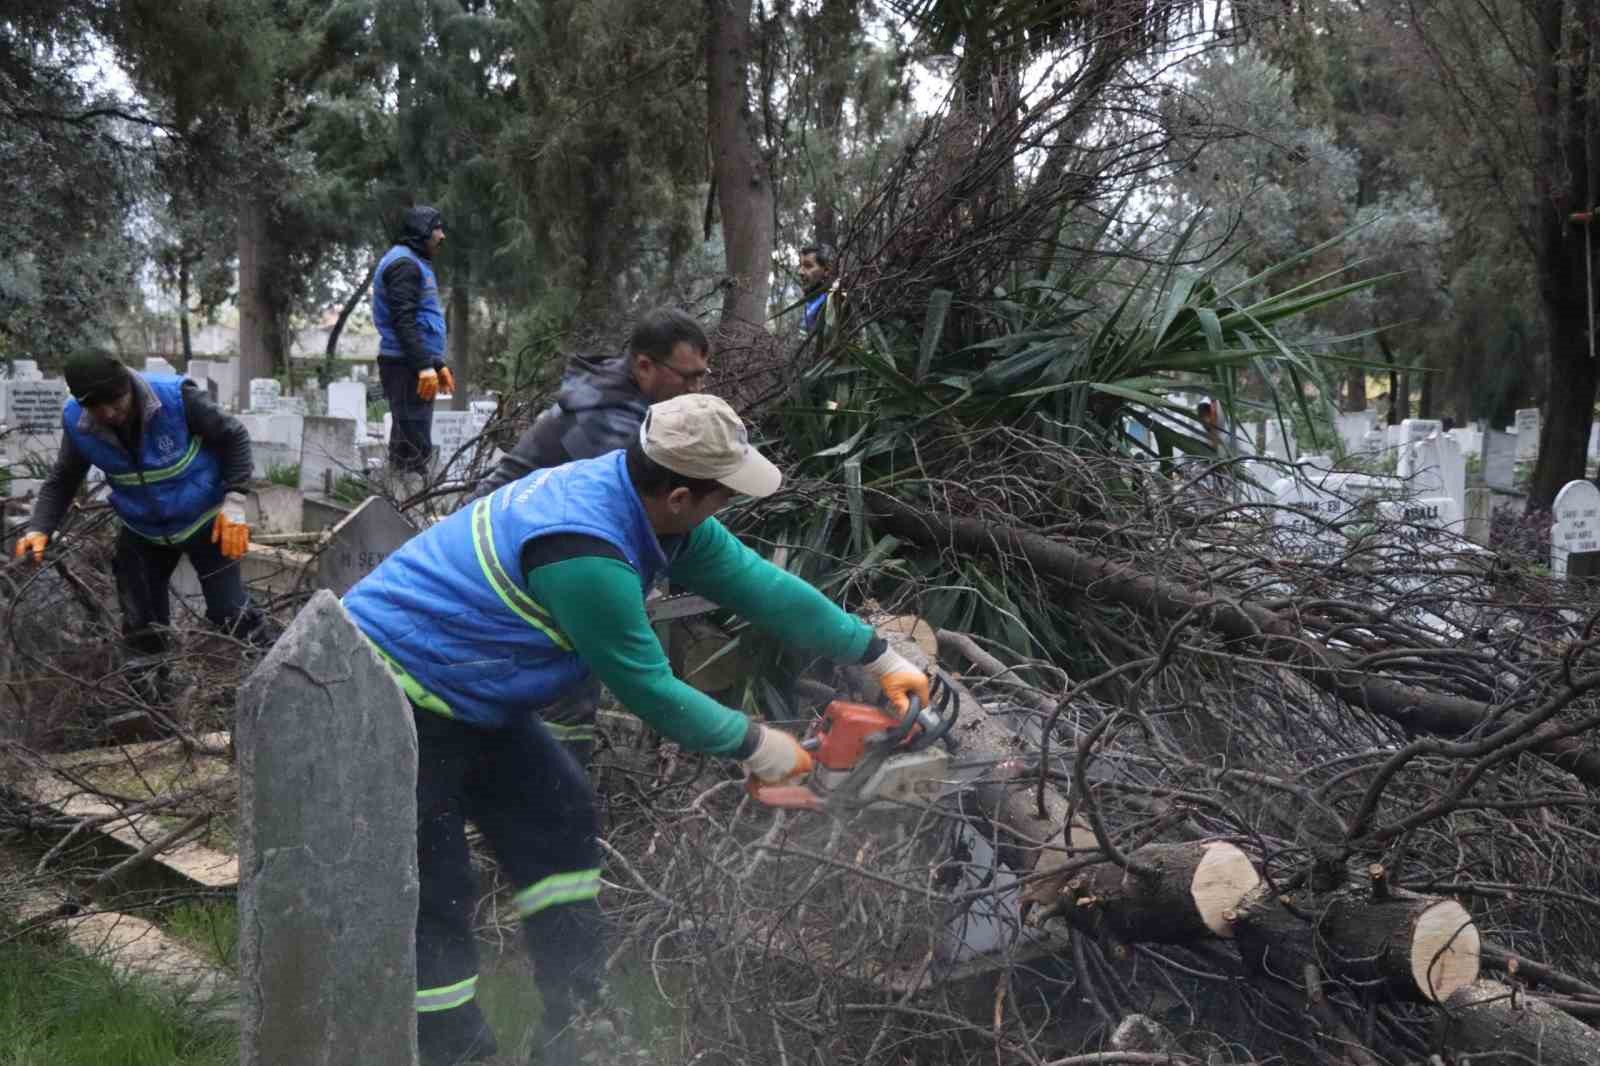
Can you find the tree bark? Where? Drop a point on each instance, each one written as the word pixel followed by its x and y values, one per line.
pixel 261 320
pixel 1568 130
pixel 1419 948
pixel 1498 1027
pixel 837 24
pixel 1355 390
pixel 744 186
pixel 332 351
pixel 460 343
pixel 1249 624
pixel 1185 898
pixel 183 309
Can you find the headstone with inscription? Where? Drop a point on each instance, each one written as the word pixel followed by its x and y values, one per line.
pixel 1500 460
pixel 1528 433
pixel 35 406
pixel 1316 514
pixel 361 540
pixel 25 370
pixel 264 394
pixel 1575 536
pixel 1415 429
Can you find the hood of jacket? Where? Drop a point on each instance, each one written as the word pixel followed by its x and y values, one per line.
pixel 418 226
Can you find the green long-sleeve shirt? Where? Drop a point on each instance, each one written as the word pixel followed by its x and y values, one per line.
pixel 595 600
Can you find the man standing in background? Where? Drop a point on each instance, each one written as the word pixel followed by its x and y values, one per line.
pixel 816 277
pixel 411 338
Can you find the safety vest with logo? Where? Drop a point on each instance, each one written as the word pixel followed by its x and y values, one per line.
pixel 173 487
pixel 451 614
pixel 430 314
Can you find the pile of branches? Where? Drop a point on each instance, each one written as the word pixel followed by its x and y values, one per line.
pixel 1397 725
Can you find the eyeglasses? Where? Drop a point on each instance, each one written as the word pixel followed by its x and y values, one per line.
pixel 690 378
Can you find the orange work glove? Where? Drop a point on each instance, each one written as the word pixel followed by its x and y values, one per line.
pixel 428 384
pixel 778 757
pixel 447 381
pixel 32 542
pixel 899 680
pixel 230 530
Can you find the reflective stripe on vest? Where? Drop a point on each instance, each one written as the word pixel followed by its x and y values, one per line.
pixel 173 538
pixel 557 888
pixel 145 477
pixel 510 593
pixel 448 997
pixel 409 685
pixel 569 734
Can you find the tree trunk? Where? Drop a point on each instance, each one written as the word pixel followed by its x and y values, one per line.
pixel 261 320
pixel 1418 948
pixel 183 309
pixel 1425 401
pixel 1355 389
pixel 460 343
pixel 744 187
pixel 332 351
pixel 836 27
pixel 1183 897
pixel 1568 131
pixel 1499 1027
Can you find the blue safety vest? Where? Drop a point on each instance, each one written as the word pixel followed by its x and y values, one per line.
pixel 430 314
pixel 174 486
pixel 450 611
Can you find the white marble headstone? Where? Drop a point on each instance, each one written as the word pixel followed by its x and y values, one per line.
pixel 1577 524
pixel 1528 433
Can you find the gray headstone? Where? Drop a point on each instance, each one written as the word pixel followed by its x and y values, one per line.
pixel 360 542
pixel 1528 433
pixel 327 754
pixel 1480 508
pixel 1577 526
pixel 327 453
pixel 1499 460
pixel 264 394
pixel 35 406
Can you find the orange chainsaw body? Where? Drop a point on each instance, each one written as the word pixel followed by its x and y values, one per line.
pixel 843 730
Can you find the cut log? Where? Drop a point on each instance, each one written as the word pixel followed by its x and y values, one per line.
pixel 1495 1027
pixel 1196 885
pixel 1419 947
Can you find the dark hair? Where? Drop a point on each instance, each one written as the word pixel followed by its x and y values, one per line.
pixel 650 478
pixel 823 252
pixel 659 331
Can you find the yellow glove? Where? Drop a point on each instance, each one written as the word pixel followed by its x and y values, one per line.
pixel 899 680
pixel 32 542
pixel 777 757
pixel 230 530
pixel 447 381
pixel 428 384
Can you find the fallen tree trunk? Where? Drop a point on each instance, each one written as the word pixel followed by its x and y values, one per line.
pixel 1264 630
pixel 1187 897
pixel 1498 1026
pixel 1421 948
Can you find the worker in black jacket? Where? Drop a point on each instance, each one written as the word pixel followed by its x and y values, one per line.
pixel 599 409
pixel 411 338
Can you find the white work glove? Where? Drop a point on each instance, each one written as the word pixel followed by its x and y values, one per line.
pixel 899 680
pixel 777 758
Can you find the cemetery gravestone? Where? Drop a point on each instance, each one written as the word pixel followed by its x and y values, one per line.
pixel 25 370
pixel 348 399
pixel 327 453
pixel 327 754
pixel 225 372
pixel 157 365
pixel 361 540
pixel 1575 536
pixel 1280 440
pixel 1500 460
pixel 1594 440
pixel 35 406
pixel 1415 429
pixel 264 394
pixel 1353 427
pixel 1528 433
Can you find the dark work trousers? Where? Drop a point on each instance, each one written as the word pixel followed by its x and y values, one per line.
pixel 144 570
pixel 532 802
pixel 411 432
pixel 571 720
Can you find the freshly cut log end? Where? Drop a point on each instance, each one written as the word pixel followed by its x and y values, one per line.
pixel 1485 1022
pixel 1223 877
pixel 1445 949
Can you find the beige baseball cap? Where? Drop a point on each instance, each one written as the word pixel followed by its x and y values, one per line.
pixel 699 435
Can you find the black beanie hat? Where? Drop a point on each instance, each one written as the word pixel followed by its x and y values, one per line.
pixel 95 377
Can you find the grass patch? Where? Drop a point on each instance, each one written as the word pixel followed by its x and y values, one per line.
pixel 287 474
pixel 210 928
pixel 60 1009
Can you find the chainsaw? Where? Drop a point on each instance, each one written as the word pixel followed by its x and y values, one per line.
pixel 865 755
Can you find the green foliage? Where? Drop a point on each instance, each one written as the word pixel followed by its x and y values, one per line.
pixel 59 1008
pixel 210 928
pixel 284 474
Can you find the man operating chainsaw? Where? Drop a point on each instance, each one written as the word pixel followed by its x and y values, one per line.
pixel 514 601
